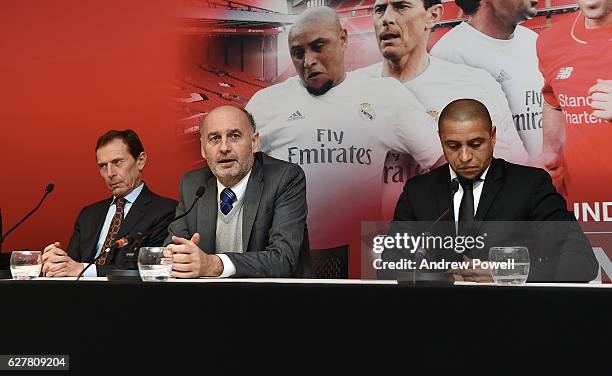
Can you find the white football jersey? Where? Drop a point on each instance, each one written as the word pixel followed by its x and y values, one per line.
pixel 341 139
pixel 513 63
pixel 441 83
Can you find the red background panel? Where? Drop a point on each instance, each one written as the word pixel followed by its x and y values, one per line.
pixel 70 71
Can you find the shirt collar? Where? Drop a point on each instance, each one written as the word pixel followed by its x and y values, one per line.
pixel 239 188
pixel 132 196
pixel 582 35
pixel 471 29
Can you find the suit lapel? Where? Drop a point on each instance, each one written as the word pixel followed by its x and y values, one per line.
pixel 444 200
pixel 252 197
pixel 137 211
pixel 207 216
pixel 492 184
pixel 97 229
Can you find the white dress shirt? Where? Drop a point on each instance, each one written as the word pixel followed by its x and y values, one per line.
pixel 239 189
pixel 459 195
pixel 129 200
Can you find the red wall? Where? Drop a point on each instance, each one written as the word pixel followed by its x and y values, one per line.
pixel 70 71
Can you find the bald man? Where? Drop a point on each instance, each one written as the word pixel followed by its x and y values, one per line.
pixel 339 128
pixel 489 190
pixel 251 220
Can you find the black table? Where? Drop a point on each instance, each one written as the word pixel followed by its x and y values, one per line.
pixel 298 328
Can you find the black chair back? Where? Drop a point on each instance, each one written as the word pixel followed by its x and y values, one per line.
pixel 330 263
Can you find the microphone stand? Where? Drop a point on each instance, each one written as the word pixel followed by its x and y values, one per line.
pixel 6 274
pixel 135 240
pixel 429 278
pixel 48 190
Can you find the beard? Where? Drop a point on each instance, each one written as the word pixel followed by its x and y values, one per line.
pixel 322 90
pixel 230 176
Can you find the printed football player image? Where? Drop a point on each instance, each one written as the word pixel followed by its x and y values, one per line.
pixel 402 29
pixel 575 59
pixel 339 127
pixel 493 40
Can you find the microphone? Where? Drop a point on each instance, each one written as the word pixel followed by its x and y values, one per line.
pixel 139 236
pixel 421 254
pixel 48 189
pixel 418 277
pixel 454 188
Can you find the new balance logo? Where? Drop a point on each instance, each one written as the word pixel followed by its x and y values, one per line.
pixel 564 73
pixel 503 76
pixel 297 115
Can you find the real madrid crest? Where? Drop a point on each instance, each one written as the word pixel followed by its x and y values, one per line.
pixel 434 115
pixel 366 111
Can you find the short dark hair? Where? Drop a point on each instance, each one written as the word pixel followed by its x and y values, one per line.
pixel 468 7
pixel 430 3
pixel 128 136
pixel 465 109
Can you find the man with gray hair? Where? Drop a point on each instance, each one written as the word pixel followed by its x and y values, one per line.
pixel 251 219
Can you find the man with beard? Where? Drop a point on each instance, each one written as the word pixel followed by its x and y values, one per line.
pixel 251 219
pixel 493 40
pixel 402 30
pixel 339 128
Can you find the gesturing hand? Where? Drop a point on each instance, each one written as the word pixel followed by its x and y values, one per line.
pixel 190 261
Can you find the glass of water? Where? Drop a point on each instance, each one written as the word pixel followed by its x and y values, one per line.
pixel 26 264
pixel 512 265
pixel 154 263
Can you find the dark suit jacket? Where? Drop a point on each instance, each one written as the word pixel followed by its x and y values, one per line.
pixel 534 215
pixel 146 212
pixel 274 235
